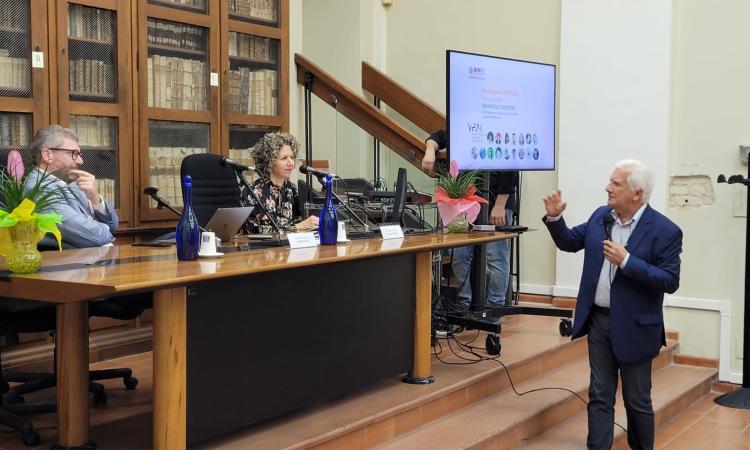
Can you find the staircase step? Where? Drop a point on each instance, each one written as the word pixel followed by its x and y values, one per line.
pixel 509 418
pixel 502 413
pixel 674 388
pixel 531 346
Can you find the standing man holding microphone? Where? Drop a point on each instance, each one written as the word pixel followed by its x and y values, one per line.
pixel 632 257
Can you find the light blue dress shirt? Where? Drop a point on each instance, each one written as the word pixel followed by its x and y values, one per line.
pixel 620 234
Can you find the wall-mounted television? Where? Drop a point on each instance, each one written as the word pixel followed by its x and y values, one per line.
pixel 501 112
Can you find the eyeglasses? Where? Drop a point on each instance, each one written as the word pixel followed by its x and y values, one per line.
pixel 74 153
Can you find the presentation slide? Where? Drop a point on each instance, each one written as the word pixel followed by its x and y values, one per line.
pixel 501 113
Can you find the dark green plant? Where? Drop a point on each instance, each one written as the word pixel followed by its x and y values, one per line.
pixel 14 191
pixel 456 187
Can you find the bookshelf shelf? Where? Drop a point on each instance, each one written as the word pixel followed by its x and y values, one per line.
pixel 91 97
pixel 14 30
pixel 83 40
pixel 178 5
pixel 253 61
pixel 258 20
pixel 98 148
pixel 255 119
pixel 15 92
pixel 170 50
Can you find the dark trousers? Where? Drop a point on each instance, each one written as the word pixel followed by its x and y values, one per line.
pixel 636 390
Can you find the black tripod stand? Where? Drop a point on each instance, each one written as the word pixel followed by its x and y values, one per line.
pixel 740 398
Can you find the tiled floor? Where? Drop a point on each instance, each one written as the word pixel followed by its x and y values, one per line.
pixel 706 425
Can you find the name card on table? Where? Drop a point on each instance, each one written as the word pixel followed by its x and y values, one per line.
pixel 302 240
pixel 391 231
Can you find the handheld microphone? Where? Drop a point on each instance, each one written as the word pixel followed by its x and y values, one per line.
pixel 226 162
pixel 318 173
pixel 150 191
pixel 609 222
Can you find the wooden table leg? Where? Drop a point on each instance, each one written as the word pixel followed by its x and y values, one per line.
pixel 170 381
pixel 420 373
pixel 73 375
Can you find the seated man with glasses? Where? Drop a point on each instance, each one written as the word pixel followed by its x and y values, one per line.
pixel 88 220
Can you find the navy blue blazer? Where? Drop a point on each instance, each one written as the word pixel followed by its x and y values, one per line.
pixel 637 292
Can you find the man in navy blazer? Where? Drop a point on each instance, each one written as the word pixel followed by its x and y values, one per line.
pixel 631 258
pixel 87 219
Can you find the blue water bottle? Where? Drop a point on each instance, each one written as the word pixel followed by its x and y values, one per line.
pixel 328 225
pixel 187 235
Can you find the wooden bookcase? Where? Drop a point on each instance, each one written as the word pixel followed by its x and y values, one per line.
pixel 144 83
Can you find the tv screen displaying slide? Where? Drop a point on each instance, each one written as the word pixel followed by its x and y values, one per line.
pixel 501 113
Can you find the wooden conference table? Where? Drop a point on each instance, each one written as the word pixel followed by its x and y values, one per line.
pixel 72 277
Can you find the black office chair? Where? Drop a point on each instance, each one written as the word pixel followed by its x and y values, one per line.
pixel 18 317
pixel 27 316
pixel 214 186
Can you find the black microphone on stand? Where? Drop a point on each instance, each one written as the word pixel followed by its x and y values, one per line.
pixel 226 162
pixel 239 168
pixel 161 203
pixel 318 173
pixel 609 222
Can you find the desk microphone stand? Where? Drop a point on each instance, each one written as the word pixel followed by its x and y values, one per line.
pixel 161 203
pixel 258 203
pixel 740 398
pixel 346 206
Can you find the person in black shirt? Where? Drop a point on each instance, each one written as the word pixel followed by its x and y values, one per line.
pixel 502 187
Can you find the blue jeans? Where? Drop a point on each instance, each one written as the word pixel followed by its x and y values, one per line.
pixel 498 267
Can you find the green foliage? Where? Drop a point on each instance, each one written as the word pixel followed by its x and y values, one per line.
pixel 456 187
pixel 12 192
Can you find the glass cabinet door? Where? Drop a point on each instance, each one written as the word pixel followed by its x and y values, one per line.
pixel 97 137
pixel 94 95
pixel 15 49
pixel 169 143
pixel 253 74
pixel 24 73
pixel 92 54
pixel 177 66
pixel 179 113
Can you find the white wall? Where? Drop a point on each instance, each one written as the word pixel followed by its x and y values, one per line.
pixel 710 95
pixel 614 104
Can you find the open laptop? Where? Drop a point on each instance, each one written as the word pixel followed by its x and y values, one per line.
pixel 226 221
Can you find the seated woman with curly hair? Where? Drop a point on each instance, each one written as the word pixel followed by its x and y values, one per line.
pixel 275 155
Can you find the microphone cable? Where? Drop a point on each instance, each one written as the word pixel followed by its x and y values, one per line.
pixel 479 358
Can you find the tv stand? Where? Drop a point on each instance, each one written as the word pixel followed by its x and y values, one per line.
pixel 490 320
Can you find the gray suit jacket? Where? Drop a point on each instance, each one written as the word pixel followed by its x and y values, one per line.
pixel 80 227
